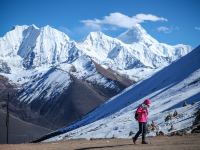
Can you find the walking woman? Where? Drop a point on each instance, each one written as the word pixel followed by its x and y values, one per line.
pixel 142 117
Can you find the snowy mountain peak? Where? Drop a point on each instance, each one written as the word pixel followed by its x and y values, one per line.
pixel 34 47
pixel 34 26
pixel 136 34
pixel 94 36
pixel 31 46
pixel 97 45
pixel 18 27
pixel 132 53
pixel 53 33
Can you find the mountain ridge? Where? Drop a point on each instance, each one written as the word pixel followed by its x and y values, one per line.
pixel 41 62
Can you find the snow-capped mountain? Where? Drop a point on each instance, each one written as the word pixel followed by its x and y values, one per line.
pixel 137 34
pixel 134 53
pixel 31 50
pixel 34 47
pixel 167 89
pixel 49 68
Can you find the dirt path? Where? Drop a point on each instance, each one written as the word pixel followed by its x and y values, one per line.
pixel 189 142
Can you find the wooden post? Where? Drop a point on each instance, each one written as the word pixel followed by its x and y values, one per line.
pixel 7 118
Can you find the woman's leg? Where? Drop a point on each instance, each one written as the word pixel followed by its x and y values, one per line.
pixel 144 128
pixel 139 132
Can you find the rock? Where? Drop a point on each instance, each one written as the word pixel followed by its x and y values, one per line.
pixel 160 133
pixel 196 124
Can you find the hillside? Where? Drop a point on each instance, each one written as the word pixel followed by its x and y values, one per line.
pixel 19 131
pixel 168 89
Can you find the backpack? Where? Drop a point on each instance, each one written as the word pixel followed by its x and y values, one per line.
pixel 136 115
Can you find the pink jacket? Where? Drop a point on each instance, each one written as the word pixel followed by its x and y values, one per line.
pixel 142 113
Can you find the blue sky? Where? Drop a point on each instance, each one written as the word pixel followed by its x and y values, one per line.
pixel 169 21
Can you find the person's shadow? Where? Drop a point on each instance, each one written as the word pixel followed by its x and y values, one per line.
pixel 101 147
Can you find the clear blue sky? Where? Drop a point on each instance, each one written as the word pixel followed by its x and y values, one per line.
pixel 179 20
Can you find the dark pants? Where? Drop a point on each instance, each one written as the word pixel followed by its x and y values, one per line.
pixel 142 129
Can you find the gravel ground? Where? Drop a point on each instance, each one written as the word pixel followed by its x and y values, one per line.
pixel 187 142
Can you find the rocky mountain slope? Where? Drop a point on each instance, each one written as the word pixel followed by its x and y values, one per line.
pixel 60 80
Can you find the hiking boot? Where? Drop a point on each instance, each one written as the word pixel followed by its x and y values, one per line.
pixel 144 142
pixel 133 140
